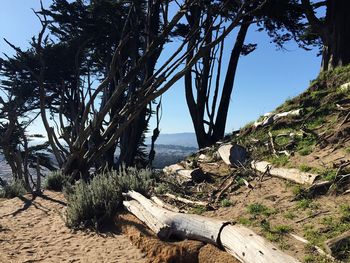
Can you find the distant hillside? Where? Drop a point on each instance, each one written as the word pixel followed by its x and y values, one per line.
pixel 170 154
pixel 186 139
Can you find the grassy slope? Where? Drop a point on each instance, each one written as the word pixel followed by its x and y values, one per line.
pixel 319 143
pixel 320 128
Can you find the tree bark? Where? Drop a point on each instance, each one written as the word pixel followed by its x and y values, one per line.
pixel 336 50
pixel 131 140
pixel 220 122
pixel 334 32
pixel 216 131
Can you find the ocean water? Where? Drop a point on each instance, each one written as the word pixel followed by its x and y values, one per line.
pixel 6 172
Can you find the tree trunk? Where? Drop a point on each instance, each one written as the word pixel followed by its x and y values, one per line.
pixel 220 122
pixel 334 32
pixel 336 51
pixel 132 139
pixel 215 131
pixel 76 167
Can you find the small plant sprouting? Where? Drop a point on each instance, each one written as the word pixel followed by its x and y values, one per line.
pixel 289 215
pixel 198 210
pixel 256 209
pixel 226 203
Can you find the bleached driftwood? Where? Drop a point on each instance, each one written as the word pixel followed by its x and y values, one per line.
pixel 162 204
pixel 185 200
pixel 184 175
pixel 318 249
pixel 203 158
pixel 335 245
pixel 345 87
pixel 224 189
pixel 271 117
pixel 233 154
pixel 286 173
pixel 237 240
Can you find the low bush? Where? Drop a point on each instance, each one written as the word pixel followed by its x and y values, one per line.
pixel 90 204
pixel 55 181
pixel 140 180
pixel 93 203
pixel 14 189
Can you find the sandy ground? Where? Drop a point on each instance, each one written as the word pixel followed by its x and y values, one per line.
pixel 33 231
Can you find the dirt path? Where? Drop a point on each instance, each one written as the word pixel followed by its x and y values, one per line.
pixel 33 231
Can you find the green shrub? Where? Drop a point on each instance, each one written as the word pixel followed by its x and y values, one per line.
pixel 226 203
pixel 345 213
pixel 55 181
pixel 161 188
pixel 282 229
pixel 315 258
pixel 14 189
pixel 133 179
pixel 91 204
pixel 306 145
pixel 276 233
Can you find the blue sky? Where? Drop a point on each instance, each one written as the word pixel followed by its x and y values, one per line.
pixel 264 79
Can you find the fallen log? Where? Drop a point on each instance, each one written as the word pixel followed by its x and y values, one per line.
pixel 289 174
pixel 184 175
pixel 318 249
pixel 272 117
pixel 185 200
pixel 338 245
pixel 161 203
pixel 311 216
pixel 233 154
pixel 239 241
pixel 227 186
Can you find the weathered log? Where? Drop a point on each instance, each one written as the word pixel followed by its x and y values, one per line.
pixel 346 192
pixel 162 204
pixel 272 117
pixel 185 200
pixel 338 244
pixel 233 154
pixel 319 188
pixel 311 216
pixel 227 186
pixel 145 216
pixel 289 174
pixel 203 158
pixel 237 240
pixel 184 175
pixel 318 249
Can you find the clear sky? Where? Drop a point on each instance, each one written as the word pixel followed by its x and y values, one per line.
pixel 264 79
